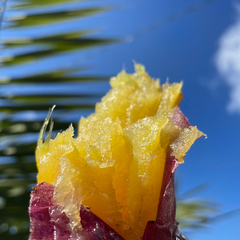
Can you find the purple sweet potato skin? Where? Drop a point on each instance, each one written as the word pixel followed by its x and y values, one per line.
pixel 93 224
pixel 48 222
pixel 41 227
pixel 179 119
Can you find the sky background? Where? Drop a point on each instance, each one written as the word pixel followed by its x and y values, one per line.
pixel 199 45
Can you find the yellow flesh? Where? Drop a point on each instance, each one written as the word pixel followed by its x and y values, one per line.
pixel 115 165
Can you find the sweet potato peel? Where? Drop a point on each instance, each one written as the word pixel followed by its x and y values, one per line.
pixel 48 222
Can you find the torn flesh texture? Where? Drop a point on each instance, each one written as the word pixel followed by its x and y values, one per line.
pixel 49 221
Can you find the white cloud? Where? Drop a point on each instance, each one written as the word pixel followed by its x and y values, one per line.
pixel 227 60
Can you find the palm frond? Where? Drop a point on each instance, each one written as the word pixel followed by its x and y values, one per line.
pixel 193 212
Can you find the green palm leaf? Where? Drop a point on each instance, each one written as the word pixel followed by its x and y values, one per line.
pixel 192 212
pixel 40 18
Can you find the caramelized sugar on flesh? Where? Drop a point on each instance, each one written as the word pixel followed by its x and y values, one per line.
pixel 115 165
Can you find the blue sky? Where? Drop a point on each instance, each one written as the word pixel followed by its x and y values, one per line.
pixel 202 48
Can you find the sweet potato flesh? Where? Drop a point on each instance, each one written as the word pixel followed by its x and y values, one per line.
pixel 116 163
